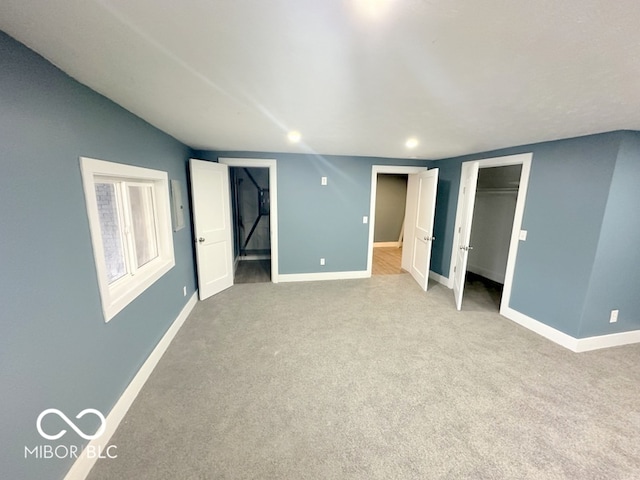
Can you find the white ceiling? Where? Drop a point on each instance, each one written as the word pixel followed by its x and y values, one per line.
pixel 355 77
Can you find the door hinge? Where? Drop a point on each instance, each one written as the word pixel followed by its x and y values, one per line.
pixel 454 269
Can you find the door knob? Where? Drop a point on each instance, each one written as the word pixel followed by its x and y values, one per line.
pixel 201 239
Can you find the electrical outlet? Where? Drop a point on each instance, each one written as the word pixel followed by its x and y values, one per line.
pixel 614 316
pixel 184 291
pixel 322 261
pixel 323 181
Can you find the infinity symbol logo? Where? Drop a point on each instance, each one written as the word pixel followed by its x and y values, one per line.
pixel 100 431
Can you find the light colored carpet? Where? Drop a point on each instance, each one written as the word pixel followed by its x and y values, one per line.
pixel 374 379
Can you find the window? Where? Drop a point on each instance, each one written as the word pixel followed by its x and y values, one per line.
pixel 130 222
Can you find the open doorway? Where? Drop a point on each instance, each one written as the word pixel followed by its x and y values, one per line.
pixel 491 204
pixel 250 209
pixel 391 199
pixel 418 224
pixel 493 213
pixel 254 213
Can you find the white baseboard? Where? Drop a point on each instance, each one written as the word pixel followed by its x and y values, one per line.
pixel 606 341
pixel 83 465
pixel 311 277
pixel 540 328
pixel 574 344
pixel 387 244
pixel 446 281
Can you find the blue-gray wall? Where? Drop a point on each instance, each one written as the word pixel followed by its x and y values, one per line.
pixel 316 221
pixel 55 349
pixel 569 187
pixel 615 278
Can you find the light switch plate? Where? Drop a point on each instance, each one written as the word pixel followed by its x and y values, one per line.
pixel 323 181
pixel 523 235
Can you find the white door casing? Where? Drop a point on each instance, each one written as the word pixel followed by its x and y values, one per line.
pixel 469 181
pixel 425 185
pixel 212 226
pixel 525 160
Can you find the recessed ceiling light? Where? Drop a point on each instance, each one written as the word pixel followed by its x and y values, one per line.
pixel 373 8
pixel 411 143
pixel 294 136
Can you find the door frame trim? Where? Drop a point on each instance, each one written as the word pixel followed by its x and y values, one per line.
pixel 375 170
pixel 523 159
pixel 271 164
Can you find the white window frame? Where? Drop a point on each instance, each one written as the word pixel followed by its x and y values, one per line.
pixel 123 291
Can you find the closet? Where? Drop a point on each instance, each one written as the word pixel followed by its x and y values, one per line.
pixel 493 213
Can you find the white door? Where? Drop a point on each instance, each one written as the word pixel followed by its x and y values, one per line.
pixel 212 226
pixel 410 209
pixel 424 185
pixel 461 249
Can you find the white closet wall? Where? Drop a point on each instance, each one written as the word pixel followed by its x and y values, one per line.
pixel 491 233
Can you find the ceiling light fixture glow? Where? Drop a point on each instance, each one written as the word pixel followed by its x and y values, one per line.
pixel 373 8
pixel 411 143
pixel 294 136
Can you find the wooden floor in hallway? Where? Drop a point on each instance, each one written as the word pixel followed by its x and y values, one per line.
pixel 387 261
